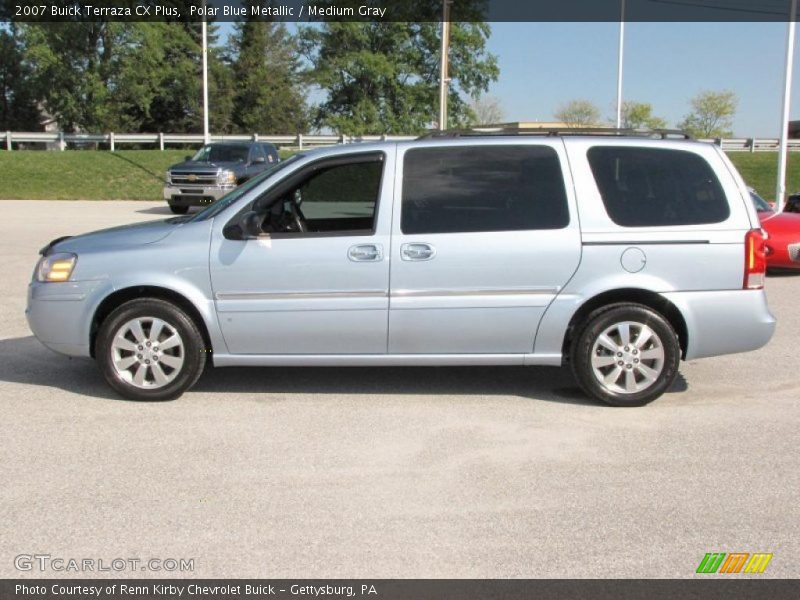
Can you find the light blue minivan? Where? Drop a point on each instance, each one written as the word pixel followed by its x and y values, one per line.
pixel 618 253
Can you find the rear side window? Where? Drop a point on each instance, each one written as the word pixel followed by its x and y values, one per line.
pixel 649 187
pixel 482 188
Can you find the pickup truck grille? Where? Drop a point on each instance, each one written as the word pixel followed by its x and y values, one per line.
pixel 193 177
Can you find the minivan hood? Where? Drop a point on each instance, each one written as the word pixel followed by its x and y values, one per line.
pixel 126 235
pixel 196 165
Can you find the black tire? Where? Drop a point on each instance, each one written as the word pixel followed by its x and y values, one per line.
pixel 583 350
pixel 192 351
pixel 178 210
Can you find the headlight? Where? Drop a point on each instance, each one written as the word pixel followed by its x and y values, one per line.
pixel 226 177
pixel 167 178
pixel 56 267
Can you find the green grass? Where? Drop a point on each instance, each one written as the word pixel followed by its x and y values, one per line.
pixel 760 171
pixel 86 174
pixel 137 174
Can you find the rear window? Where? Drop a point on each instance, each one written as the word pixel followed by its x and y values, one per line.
pixel 649 187
pixel 482 188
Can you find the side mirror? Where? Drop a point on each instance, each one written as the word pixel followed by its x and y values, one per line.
pixel 248 227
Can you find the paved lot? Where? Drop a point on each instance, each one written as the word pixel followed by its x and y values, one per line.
pixel 439 472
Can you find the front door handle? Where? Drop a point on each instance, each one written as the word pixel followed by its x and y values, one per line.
pixel 417 251
pixel 365 252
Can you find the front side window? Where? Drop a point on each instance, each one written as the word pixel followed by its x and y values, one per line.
pixel 341 197
pixel 482 188
pixel 650 187
pixel 271 152
pixel 760 204
pixel 257 152
pixel 212 210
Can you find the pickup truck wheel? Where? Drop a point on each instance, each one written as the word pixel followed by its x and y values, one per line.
pixel 625 355
pixel 178 210
pixel 149 349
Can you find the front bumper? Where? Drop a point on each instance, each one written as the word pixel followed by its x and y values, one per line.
pixel 60 314
pixel 195 195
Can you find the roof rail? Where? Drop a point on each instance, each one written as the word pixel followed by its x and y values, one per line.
pixel 556 131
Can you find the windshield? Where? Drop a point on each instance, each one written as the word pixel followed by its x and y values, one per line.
pixel 217 207
pixel 761 204
pixel 222 153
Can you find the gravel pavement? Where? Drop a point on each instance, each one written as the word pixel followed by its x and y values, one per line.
pixel 392 472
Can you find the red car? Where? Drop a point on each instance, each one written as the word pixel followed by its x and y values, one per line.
pixel 783 243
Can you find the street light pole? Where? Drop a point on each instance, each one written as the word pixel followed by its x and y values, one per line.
pixel 780 191
pixel 619 62
pixel 444 79
pixel 206 135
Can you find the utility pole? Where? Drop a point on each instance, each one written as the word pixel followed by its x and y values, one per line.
pixel 780 191
pixel 444 66
pixel 206 135
pixel 619 62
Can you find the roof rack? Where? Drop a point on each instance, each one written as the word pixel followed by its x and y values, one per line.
pixel 662 134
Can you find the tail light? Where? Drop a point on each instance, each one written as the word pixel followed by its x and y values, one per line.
pixel 755 259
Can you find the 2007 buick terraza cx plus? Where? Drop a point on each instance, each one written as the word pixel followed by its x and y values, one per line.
pixel 616 254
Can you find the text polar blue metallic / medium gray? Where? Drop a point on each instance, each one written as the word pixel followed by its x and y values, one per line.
pixel 440 266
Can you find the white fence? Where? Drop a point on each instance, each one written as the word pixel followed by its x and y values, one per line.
pixel 60 140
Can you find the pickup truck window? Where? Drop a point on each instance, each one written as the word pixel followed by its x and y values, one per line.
pixel 482 188
pixel 222 153
pixel 257 152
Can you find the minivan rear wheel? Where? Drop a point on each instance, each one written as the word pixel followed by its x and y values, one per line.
pixel 625 355
pixel 149 349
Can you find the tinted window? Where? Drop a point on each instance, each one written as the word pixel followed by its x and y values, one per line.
pixel 257 152
pixel 334 199
pixel 271 152
pixel 222 153
pixel 342 192
pixel 760 204
pixel 482 188
pixel 647 187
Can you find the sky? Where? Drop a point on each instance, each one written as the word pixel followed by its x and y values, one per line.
pixel 543 65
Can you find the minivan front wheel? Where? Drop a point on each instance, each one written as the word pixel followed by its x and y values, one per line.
pixel 626 355
pixel 149 349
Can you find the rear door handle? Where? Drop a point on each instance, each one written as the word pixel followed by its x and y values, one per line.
pixel 417 251
pixel 365 253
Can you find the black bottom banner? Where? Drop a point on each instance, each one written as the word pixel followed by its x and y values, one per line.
pixel 396 589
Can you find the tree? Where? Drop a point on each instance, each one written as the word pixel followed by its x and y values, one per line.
pixel 578 113
pixel 487 110
pixel 109 76
pixel 269 96
pixel 73 67
pixel 18 109
pixel 383 77
pixel 178 105
pixel 639 115
pixel 712 115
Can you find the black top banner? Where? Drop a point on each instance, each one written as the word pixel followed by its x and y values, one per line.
pixel 397 10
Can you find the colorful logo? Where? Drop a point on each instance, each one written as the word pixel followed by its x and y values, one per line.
pixel 735 562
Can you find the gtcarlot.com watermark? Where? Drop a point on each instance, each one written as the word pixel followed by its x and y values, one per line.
pixel 60 564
